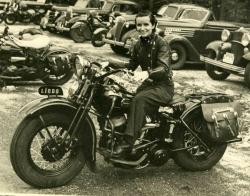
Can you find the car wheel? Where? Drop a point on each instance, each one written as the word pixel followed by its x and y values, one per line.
pixel 216 73
pixel 178 56
pixel 247 75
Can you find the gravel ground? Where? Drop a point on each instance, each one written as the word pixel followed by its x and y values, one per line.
pixel 231 176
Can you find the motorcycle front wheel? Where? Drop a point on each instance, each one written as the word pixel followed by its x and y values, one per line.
pixel 38 154
pixel 196 158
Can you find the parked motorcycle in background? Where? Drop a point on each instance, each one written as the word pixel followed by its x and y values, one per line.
pixel 57 137
pixel 84 28
pixel 18 13
pixel 101 32
pixel 33 58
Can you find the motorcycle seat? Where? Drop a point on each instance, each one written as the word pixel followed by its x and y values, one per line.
pixel 35 41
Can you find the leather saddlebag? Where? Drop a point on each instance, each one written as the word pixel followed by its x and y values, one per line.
pixel 222 120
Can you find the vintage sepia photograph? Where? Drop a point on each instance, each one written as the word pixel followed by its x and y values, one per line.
pixel 125 97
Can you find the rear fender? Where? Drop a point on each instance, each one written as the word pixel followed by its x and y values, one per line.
pixel 192 53
pixel 88 134
pixel 56 49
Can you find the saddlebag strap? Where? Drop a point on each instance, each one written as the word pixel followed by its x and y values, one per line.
pixel 210 109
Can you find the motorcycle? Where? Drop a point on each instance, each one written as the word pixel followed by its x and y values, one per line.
pixel 57 137
pixel 83 28
pixel 101 32
pixel 18 13
pixel 33 58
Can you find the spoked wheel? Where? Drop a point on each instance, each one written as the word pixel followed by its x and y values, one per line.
pixel 196 157
pixel 39 153
pixel 56 71
pixel 216 73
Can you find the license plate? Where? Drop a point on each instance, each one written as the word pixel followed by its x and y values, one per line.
pixel 50 90
pixel 228 58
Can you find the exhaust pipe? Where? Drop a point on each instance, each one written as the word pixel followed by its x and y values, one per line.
pixel 17 59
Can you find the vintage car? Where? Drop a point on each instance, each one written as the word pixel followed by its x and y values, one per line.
pixel 81 26
pixel 187 28
pixel 230 55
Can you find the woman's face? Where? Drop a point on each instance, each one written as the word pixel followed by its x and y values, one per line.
pixel 144 26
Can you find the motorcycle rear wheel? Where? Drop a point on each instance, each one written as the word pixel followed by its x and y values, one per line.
pixel 55 79
pixel 196 158
pixel 30 159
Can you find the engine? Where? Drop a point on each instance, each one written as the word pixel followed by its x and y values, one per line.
pixel 159 155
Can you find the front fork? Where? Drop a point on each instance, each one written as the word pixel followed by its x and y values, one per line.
pixel 79 117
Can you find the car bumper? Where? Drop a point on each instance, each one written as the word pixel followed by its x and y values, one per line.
pixel 226 66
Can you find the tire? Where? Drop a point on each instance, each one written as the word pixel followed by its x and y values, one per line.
pixel 247 75
pixel 10 19
pixel 193 159
pixel 215 73
pixel 96 39
pixel 80 34
pixel 1 18
pixel 30 168
pixel 52 78
pixel 178 56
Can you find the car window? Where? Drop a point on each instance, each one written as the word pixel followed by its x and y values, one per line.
pixel 167 11
pixel 193 14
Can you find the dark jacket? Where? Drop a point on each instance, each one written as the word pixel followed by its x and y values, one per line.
pixel 153 55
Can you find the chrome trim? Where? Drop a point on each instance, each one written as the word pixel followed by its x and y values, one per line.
pixel 223 65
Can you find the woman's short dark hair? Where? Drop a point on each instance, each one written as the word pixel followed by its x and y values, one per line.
pixel 143 13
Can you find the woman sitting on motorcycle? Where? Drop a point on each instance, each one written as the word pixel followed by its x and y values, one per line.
pixel 152 53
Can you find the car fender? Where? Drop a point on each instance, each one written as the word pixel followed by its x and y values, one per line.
pixel 77 24
pixel 215 45
pixel 247 56
pixel 192 53
pixel 42 105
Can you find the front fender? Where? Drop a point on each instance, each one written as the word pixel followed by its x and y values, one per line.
pixel 215 45
pixel 63 105
pixel 247 56
pixel 100 30
pixel 192 53
pixel 75 19
pixel 77 24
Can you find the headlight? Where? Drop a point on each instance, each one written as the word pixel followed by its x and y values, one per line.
pixel 225 35
pixel 111 19
pixel 245 39
pixel 80 64
pixel 120 19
